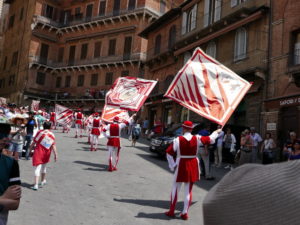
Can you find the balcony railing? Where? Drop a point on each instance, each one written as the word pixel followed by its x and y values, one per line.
pixel 76 19
pixel 87 62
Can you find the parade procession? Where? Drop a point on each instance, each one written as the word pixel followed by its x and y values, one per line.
pixel 139 112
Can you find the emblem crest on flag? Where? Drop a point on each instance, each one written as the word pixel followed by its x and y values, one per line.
pixel 109 112
pixel 129 93
pixel 208 88
pixel 64 115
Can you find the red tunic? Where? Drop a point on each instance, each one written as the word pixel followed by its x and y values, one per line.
pixel 96 127
pixel 44 141
pixel 52 116
pixel 114 133
pixel 188 166
pixel 78 118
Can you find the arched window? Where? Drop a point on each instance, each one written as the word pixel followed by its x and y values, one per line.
pixel 168 82
pixel 211 49
pixel 157 44
pixel 172 37
pixel 240 44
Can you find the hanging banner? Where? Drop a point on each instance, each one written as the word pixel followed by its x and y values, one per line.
pixel 129 93
pixel 208 88
pixel 64 115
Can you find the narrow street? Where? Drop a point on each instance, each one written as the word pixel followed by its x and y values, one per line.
pixel 79 189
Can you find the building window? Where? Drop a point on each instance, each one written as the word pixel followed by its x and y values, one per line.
pixel 80 80
pixel 11 80
pixel 89 12
pixel 4 63
pixel 116 9
pixel 127 48
pixel 157 44
pixel 2 83
pixel 112 47
pixel 68 81
pixel 14 59
pixel 131 4
pixel 94 79
pixel 212 11
pixel 11 21
pixel 40 78
pixel 189 20
pixel 84 51
pixel 102 7
pixel 240 44
pixel 97 49
pixel 168 82
pixel 296 46
pixel 60 56
pixel 236 2
pixel 78 14
pixel 58 82
pixel 125 73
pixel 21 13
pixel 211 49
pixel 172 37
pixel 162 6
pixel 72 52
pixel 49 11
pixel 109 78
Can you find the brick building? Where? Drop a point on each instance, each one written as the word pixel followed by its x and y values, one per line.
pixel 70 52
pixel 282 105
pixel 234 32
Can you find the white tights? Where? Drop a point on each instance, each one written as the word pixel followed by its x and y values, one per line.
pixel 40 169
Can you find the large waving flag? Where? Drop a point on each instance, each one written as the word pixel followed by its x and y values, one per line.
pixel 64 115
pixel 109 112
pixel 208 88
pixel 129 93
pixel 35 105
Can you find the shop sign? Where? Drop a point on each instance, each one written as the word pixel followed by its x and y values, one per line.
pixel 271 126
pixel 284 102
pixel 290 101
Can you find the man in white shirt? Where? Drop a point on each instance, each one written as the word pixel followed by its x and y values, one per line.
pixel 219 148
pixel 256 140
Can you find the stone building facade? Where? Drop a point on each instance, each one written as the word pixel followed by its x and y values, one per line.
pixel 282 104
pixel 70 52
pixel 233 32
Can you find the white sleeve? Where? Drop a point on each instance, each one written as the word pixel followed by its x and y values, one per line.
pixel 213 137
pixel 233 142
pixel 106 133
pixel 170 158
pixel 122 125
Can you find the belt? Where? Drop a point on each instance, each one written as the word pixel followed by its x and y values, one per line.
pixel 187 156
pixel 114 136
pixel 96 127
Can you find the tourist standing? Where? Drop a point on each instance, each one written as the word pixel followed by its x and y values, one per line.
pixel 256 140
pixel 267 149
pixel 218 149
pixel 229 148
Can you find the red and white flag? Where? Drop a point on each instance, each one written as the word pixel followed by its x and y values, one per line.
pixel 129 93
pixel 208 88
pixel 64 115
pixel 2 101
pixel 35 105
pixel 109 112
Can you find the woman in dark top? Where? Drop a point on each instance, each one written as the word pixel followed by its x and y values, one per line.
pixel 31 124
pixel 295 154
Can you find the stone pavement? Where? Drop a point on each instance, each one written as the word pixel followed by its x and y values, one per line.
pixel 81 191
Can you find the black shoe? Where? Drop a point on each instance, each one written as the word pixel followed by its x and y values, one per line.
pixel 210 178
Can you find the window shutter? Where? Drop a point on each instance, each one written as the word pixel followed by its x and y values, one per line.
pixel 184 23
pixel 194 17
pixel 234 3
pixel 218 5
pixel 297 53
pixel 206 13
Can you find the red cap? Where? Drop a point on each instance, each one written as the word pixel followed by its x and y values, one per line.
pixel 96 114
pixel 116 119
pixel 187 124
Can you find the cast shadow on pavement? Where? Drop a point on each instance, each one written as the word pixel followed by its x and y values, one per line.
pixel 96 166
pixel 88 149
pixel 157 216
pixel 26 185
pixel 204 184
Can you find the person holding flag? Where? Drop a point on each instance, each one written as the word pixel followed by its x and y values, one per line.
pixel 43 144
pixel 78 122
pixel 95 131
pixel 186 166
pixel 112 132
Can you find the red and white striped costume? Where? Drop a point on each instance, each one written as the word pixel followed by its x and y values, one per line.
pixel 95 132
pixel 78 123
pixel 185 149
pixel 53 120
pixel 44 140
pixel 113 132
